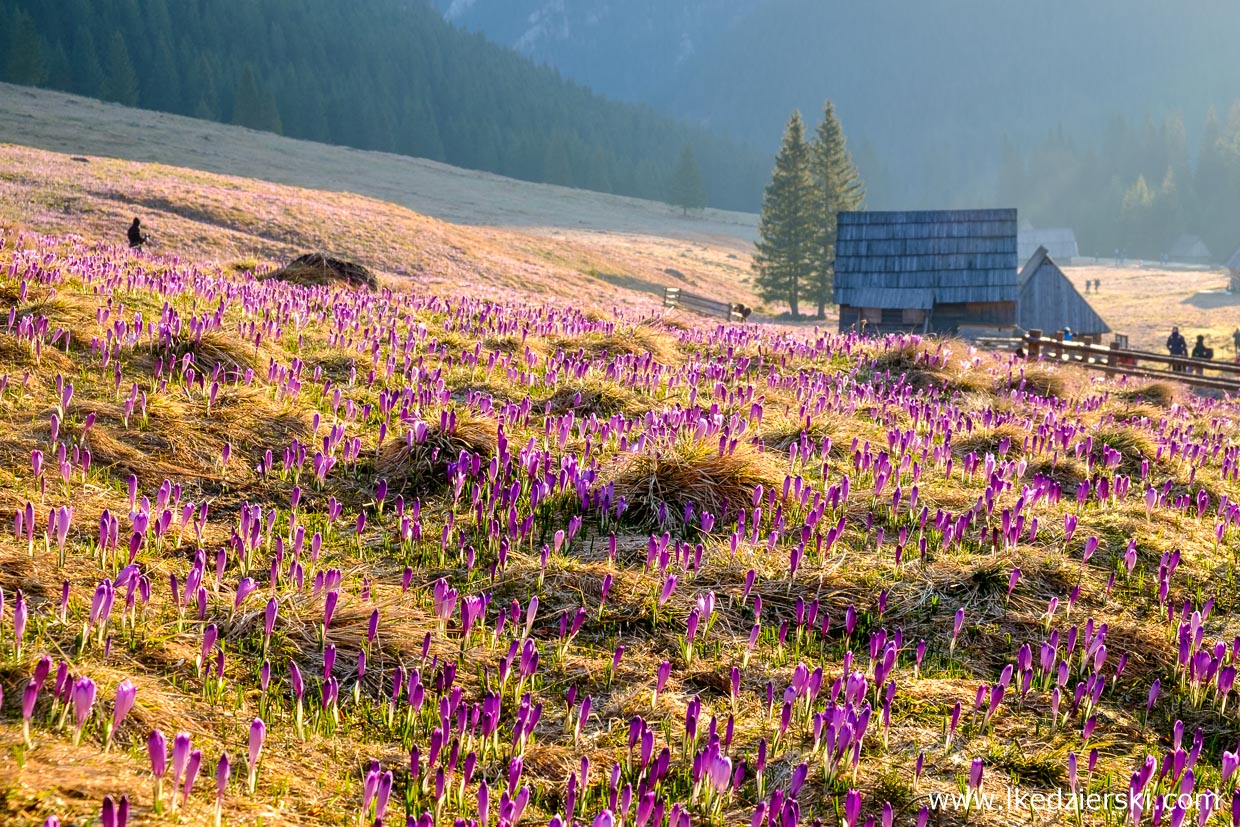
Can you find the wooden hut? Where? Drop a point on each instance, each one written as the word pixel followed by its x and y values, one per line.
pixel 1189 249
pixel 930 272
pixel 1060 243
pixel 1047 301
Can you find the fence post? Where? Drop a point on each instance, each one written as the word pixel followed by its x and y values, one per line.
pixel 1035 343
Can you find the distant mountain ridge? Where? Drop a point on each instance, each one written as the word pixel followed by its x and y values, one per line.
pixel 388 75
pixel 925 90
pixel 620 48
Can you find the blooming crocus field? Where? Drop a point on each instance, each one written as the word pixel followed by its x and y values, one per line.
pixel 286 555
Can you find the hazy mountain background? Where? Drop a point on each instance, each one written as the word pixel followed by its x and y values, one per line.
pixel 945 103
pixel 1114 117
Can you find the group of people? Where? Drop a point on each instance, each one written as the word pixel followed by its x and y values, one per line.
pixel 1177 345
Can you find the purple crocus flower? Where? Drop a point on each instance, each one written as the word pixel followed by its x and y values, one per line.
pixel 84 691
pixel 126 692
pixel 258 734
pixel 222 770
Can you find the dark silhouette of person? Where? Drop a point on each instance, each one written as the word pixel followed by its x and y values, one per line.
pixel 1176 346
pixel 1202 351
pixel 136 238
pixel 1235 340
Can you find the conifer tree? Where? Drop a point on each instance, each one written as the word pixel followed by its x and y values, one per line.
pixel 785 259
pixel 24 59
pixel 120 83
pixel 687 190
pixel 254 107
pixel 837 188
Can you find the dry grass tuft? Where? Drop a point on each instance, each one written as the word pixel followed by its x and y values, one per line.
pixel 991 440
pixel 635 341
pixel 1037 379
pixel 422 466
pixel 600 398
pixel 1133 444
pixel 662 482
pixel 925 368
pixel 318 270
pixel 1159 394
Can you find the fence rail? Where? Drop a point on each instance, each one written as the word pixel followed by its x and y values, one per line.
pixel 1202 373
pixel 674 297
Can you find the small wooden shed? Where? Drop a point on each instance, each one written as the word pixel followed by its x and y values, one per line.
pixel 1047 301
pixel 1189 249
pixel 929 271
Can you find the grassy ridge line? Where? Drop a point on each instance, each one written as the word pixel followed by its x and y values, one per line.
pixel 69 123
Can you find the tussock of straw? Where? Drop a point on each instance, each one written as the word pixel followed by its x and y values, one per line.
pixel 690 471
pixel 422 466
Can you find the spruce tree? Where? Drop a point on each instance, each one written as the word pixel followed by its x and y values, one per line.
pixel 254 107
pixel 24 58
pixel 785 259
pixel 120 83
pixel 837 188
pixel 687 189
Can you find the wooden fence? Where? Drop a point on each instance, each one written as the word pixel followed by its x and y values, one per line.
pixel 674 297
pixel 1202 373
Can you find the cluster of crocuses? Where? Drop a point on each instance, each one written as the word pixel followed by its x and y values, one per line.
pixel 280 582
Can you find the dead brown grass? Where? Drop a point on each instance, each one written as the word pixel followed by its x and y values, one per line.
pixel 422 466
pixel 688 471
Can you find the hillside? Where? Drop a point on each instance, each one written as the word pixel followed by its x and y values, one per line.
pixel 74 124
pixel 358 558
pixel 387 75
pixel 244 222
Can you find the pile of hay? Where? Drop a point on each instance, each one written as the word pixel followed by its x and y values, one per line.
pixel 660 482
pixel 318 270
pixel 423 466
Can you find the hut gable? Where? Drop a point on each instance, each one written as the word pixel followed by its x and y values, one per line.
pixel 1233 263
pixel 1190 249
pixel 931 270
pixel 1047 300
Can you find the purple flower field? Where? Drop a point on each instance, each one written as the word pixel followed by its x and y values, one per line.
pixel 276 554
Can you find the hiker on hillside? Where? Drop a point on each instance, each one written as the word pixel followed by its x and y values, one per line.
pixel 1235 341
pixel 136 238
pixel 1176 346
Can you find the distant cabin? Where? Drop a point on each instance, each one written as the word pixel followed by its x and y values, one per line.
pixel 1190 249
pixel 1059 242
pixel 1047 301
pixel 926 272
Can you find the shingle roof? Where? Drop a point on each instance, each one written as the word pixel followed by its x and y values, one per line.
pixel 1048 301
pixel 1189 248
pixel 915 259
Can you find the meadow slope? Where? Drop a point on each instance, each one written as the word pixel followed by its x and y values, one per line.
pixel 399 555
pixel 248 222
